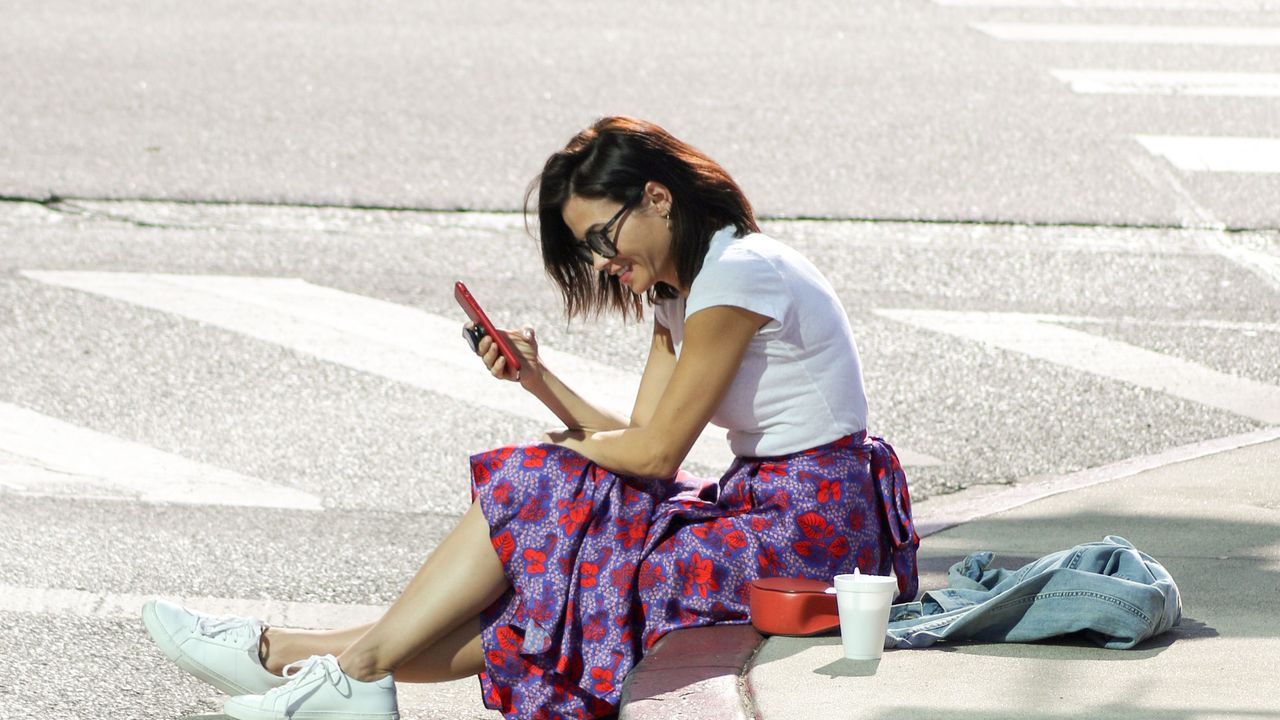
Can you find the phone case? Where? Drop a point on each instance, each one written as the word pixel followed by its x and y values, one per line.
pixel 476 315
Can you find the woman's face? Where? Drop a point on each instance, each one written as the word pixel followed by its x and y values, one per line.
pixel 641 236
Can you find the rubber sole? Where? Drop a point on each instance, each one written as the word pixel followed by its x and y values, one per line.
pixel 247 713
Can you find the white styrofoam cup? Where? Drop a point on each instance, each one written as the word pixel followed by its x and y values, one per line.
pixel 863 602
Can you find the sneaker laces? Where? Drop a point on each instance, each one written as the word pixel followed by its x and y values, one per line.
pixel 296 672
pixel 247 632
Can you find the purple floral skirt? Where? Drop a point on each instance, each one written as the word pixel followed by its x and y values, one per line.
pixel 603 565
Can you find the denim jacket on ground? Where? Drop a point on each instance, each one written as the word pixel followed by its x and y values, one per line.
pixel 1115 594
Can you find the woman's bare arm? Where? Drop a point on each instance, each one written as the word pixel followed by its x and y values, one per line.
pixel 657 375
pixel 715 340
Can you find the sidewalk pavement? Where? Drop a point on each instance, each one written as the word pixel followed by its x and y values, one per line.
pixel 1212 521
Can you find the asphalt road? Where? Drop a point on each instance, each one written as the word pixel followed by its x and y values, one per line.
pixel 387 460
pixel 888 110
pixel 895 113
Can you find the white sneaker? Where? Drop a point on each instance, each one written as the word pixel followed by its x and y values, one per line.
pixel 222 651
pixel 319 690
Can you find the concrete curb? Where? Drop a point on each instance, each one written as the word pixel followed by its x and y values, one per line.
pixel 694 673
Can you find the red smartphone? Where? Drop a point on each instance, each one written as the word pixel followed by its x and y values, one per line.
pixel 477 316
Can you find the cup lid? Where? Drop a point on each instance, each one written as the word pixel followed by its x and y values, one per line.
pixel 858 582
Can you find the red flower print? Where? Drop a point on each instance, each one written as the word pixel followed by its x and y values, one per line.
pixel 502 493
pixel 721 535
pixel 534 509
pixel 604 676
pixel 822 539
pixel 698 574
pixel 572 463
pixel 814 526
pixel 633 532
pixel 504 544
pixel 839 547
pixel 594 630
pixel 575 516
pixel 866 558
pixel 767 558
pixel 828 490
pixel 535 561
pixel 494 458
pixel 770 471
pixel 856 519
pixel 587 578
pixel 650 638
pixel 631 496
pixel 760 523
pixel 780 499
pixel 508 638
pixel 480 475
pixel 534 457
pixel 622 578
pixel 603 680
pixel 650 575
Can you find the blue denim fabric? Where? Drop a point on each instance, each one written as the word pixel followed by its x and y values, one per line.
pixel 1113 593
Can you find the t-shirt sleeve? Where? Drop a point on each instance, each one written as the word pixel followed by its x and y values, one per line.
pixel 741 278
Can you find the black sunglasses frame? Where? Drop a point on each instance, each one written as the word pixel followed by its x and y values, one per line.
pixel 598 241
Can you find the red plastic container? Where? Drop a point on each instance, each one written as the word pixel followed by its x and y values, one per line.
pixel 793 606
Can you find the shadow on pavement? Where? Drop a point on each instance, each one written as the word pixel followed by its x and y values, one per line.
pixel 1113 711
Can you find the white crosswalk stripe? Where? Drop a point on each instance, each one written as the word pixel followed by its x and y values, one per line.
pixel 1133 34
pixel 127 606
pixel 1137 82
pixel 40 455
pixel 1044 337
pixel 1226 5
pixel 1216 154
pixel 1187 153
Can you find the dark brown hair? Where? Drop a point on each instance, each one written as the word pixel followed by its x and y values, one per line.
pixel 614 158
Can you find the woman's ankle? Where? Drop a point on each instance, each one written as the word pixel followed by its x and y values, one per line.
pixel 273 650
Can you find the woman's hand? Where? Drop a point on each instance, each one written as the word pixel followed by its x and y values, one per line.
pixel 525 343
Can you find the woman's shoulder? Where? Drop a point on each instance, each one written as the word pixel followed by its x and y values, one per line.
pixel 755 254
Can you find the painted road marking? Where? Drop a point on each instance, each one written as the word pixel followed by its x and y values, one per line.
pixel 1133 34
pixel 40 455
pixel 1216 154
pixel 1145 82
pixel 403 344
pixel 1043 337
pixel 1229 5
pixel 116 606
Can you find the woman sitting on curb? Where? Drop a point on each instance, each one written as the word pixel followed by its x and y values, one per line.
pixel 579 552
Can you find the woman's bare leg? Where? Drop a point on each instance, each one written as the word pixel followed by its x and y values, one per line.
pixel 459 580
pixel 458 655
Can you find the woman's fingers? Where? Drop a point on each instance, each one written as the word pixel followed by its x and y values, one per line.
pixel 524 343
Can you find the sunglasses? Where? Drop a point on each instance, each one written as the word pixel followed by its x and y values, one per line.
pixel 598 241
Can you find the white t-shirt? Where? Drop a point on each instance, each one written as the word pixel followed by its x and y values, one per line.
pixel 800 382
